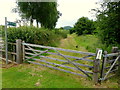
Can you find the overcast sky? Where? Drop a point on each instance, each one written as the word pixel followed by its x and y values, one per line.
pixel 71 11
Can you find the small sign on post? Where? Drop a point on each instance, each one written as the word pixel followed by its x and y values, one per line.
pixel 11 23
pixel 99 54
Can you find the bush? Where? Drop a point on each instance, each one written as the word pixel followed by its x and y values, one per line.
pixel 72 30
pixel 84 26
pixel 35 35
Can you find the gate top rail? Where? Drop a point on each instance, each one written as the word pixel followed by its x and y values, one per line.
pixel 111 54
pixel 67 50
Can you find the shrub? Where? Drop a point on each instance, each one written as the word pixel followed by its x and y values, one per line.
pixel 72 30
pixel 35 35
pixel 84 26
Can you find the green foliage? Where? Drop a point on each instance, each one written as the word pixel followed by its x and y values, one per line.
pixel 84 26
pixel 62 32
pixel 108 22
pixel 44 13
pixel 72 30
pixel 36 35
pixel 67 27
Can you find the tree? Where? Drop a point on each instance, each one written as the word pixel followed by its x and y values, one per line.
pixel 44 13
pixel 84 26
pixel 108 21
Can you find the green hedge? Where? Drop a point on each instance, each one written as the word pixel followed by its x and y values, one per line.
pixel 35 35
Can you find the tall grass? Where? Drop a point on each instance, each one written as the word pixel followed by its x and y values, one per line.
pixel 91 43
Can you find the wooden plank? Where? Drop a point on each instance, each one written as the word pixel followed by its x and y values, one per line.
pixel 8 52
pixel 83 57
pixel 109 77
pixel 112 71
pixel 110 66
pixel 8 60
pixel 59 60
pixel 67 50
pixel 110 61
pixel 111 55
pixel 73 64
pixel 11 43
pixel 65 56
pixel 57 68
pixel 59 65
pixel 103 65
pixel 66 61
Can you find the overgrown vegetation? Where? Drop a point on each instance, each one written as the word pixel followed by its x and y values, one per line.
pixel 35 35
pixel 108 23
pixel 83 26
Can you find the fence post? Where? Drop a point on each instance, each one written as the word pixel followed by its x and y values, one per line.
pixel 96 68
pixel 19 51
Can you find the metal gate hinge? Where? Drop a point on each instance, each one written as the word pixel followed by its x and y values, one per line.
pixel 101 79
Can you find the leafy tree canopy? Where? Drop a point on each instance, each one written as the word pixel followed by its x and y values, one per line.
pixel 84 26
pixel 108 22
pixel 44 13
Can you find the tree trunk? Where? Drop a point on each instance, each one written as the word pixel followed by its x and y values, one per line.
pixel 31 22
pixel 37 23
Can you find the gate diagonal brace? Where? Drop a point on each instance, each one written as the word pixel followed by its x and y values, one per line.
pixel 73 64
pixel 77 59
pixel 37 54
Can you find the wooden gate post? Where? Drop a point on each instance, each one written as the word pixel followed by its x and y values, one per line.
pixel 96 68
pixel 19 51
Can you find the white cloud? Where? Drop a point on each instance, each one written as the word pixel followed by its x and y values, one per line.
pixel 6 7
pixel 71 11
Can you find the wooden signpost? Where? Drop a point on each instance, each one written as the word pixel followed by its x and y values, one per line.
pixel 7 23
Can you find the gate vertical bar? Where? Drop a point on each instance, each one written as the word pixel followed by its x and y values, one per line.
pixel 103 65
pixel 96 69
pixel 19 51
pixel 23 48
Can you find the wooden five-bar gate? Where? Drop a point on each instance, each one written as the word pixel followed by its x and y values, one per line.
pixel 96 66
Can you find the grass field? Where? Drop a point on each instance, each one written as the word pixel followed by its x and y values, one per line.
pixel 33 76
